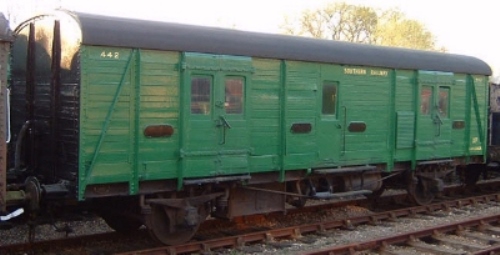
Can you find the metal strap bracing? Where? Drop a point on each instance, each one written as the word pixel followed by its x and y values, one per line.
pixel 107 121
pixel 478 116
pixel 469 84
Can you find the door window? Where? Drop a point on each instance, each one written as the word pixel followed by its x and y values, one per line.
pixel 200 95
pixel 234 87
pixel 329 101
pixel 444 101
pixel 425 100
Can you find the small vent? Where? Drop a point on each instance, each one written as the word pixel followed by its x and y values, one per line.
pixel 301 128
pixel 357 127
pixel 159 131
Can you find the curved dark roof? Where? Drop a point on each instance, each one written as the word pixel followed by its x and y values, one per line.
pixel 115 31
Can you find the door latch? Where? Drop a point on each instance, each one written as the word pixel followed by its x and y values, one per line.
pixel 438 122
pixel 224 125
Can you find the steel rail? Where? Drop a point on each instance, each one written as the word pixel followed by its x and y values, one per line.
pixel 296 231
pixel 408 236
pixel 66 242
pixel 283 233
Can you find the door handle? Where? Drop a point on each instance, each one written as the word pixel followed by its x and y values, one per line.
pixel 344 131
pixel 224 122
pixel 225 125
pixel 438 122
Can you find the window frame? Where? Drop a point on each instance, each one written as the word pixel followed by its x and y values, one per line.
pixel 210 95
pixel 335 85
pixel 448 102
pixel 430 104
pixel 242 97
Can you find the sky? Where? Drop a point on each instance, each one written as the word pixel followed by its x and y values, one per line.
pixel 462 27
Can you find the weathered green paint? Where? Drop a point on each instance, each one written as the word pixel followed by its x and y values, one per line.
pixel 475 106
pixel 135 111
pixel 365 98
pixel 479 115
pixel 149 95
pixel 404 107
pixel 160 102
pixel 300 107
pixel 468 117
pixel 265 117
pixel 183 90
pixel 122 96
pixel 476 143
pixel 104 130
pixel 216 143
pixel 405 130
pixel 330 129
pixel 283 117
pixel 443 141
pixel 485 115
pixel 460 113
pixel 433 137
pixel 392 118
pixel 107 120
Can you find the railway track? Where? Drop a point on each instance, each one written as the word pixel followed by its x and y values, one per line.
pixel 68 243
pixel 297 232
pixel 475 236
pixel 266 234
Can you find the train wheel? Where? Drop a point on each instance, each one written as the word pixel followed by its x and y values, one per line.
pixel 174 226
pixel 420 191
pixel 122 215
pixel 122 222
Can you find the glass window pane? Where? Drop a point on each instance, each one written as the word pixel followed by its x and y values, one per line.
pixel 329 98
pixel 200 95
pixel 444 101
pixel 234 96
pixel 425 100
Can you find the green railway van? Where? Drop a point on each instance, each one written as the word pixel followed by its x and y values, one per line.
pixel 163 124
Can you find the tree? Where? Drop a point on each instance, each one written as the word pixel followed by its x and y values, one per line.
pixel 395 29
pixel 338 21
pixel 361 24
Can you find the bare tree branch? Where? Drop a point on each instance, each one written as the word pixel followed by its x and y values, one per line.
pixel 361 24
